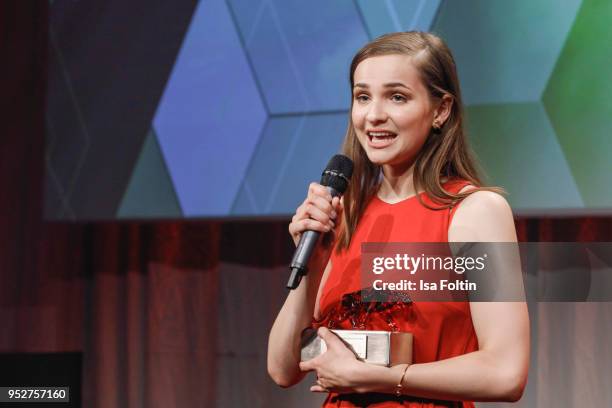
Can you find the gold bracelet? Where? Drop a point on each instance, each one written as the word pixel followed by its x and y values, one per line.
pixel 398 387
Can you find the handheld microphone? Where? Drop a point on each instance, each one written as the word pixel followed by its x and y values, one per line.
pixel 335 177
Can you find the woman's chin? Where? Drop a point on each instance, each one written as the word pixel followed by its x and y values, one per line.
pixel 379 158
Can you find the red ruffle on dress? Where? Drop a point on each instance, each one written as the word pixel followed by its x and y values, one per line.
pixel 440 329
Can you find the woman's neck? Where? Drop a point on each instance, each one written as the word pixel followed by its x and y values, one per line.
pixel 397 183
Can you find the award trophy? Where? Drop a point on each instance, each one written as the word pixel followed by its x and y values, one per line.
pixel 386 348
pixel 371 346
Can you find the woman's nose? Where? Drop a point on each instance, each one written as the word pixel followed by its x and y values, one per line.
pixel 376 113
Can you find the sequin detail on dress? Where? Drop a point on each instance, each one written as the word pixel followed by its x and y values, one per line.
pixel 357 308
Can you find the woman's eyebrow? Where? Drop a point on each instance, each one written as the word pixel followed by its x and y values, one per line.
pixel 396 85
pixel 387 85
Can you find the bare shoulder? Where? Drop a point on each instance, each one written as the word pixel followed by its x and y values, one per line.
pixel 482 216
pixel 483 203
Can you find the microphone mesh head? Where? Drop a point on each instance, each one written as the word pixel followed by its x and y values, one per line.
pixel 338 173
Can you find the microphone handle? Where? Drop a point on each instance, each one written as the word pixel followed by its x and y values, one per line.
pixel 299 263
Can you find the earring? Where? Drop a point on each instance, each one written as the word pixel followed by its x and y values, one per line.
pixel 436 125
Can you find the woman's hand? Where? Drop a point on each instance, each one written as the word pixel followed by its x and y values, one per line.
pixel 318 212
pixel 338 370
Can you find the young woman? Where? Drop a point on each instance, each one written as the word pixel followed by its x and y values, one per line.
pixel 414 181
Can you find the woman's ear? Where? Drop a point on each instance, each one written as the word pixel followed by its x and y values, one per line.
pixel 443 110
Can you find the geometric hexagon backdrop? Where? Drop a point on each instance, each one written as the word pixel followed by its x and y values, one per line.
pixel 229 108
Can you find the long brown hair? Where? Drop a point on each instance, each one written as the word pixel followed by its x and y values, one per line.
pixel 445 154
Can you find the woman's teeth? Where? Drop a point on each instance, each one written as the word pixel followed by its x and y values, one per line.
pixel 381 136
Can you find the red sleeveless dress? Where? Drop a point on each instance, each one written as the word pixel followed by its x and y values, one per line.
pixel 440 329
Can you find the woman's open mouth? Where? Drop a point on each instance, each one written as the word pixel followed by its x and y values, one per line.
pixel 380 139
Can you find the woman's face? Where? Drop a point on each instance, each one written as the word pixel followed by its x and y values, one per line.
pixel 392 112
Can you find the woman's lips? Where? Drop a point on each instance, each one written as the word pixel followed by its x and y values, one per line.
pixel 380 140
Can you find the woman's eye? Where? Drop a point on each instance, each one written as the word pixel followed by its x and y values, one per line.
pixel 398 98
pixel 361 98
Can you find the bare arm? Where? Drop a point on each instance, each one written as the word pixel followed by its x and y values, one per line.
pixel 284 341
pixel 316 213
pixel 496 372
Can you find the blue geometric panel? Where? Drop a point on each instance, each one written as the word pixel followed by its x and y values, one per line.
pixel 246 15
pixel 278 138
pixel 300 51
pixel 319 137
pixel 385 16
pixel 211 114
pixel 292 152
pixel 505 50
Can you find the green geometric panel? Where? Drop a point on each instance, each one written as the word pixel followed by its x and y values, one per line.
pixel 518 149
pixel 578 99
pixel 150 192
pixel 505 50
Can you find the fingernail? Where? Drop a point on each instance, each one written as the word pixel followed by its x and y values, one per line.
pixel 334 215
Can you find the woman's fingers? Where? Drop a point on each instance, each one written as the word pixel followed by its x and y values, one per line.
pixel 331 340
pixel 318 212
pixel 319 190
pixel 338 204
pixel 321 211
pixel 317 206
pixel 307 365
pixel 318 388
pixel 307 224
pixel 323 204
